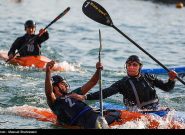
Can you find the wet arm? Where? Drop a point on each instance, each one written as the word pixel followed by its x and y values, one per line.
pixel 14 47
pixel 79 93
pixel 48 86
pixel 93 81
pixel 43 37
pixel 166 86
pixel 107 92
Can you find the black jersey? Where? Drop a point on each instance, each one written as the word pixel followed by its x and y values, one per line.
pixel 74 112
pixel 144 88
pixel 31 49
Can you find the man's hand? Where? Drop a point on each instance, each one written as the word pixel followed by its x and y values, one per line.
pixel 50 65
pixel 41 32
pixel 11 56
pixel 172 75
pixel 99 66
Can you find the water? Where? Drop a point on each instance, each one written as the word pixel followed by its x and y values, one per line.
pixel 158 28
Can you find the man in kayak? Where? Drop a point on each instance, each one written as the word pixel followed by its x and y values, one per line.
pixel 137 89
pixel 33 48
pixel 69 110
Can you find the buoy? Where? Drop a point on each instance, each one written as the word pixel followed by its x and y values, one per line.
pixel 179 5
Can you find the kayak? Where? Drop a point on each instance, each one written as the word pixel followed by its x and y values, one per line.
pixel 31 61
pixel 178 69
pixel 128 119
pixel 41 61
pixel 162 119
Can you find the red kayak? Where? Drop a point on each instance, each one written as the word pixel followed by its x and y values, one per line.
pixel 31 61
pixel 127 118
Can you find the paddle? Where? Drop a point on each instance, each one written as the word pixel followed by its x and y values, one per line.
pixel 100 76
pixel 57 18
pixel 101 122
pixel 97 13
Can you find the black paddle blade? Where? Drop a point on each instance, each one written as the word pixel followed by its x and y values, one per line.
pixel 96 12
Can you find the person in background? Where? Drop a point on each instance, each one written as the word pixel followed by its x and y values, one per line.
pixel 69 110
pixel 138 90
pixel 33 48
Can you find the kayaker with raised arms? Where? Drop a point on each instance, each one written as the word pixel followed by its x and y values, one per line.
pixel 33 48
pixel 71 111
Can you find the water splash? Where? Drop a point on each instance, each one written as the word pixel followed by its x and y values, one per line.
pixel 154 121
pixel 67 66
pixel 27 111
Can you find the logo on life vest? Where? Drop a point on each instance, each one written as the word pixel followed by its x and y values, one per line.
pixel 69 101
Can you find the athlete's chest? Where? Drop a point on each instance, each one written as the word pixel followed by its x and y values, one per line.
pixel 67 101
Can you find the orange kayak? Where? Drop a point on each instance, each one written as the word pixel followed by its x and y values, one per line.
pixel 149 121
pixel 31 61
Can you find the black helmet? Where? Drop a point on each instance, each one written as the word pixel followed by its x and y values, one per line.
pixel 29 23
pixel 134 58
pixel 56 79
